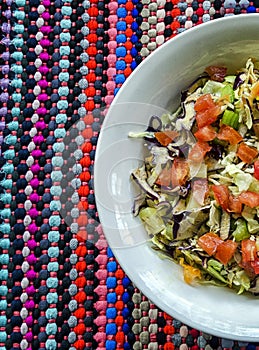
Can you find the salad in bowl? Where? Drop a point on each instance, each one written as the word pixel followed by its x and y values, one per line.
pixel 199 198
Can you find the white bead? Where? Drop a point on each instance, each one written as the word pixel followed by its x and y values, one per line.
pixel 24 312
pixel 37 76
pixel 30 161
pixel 160 27
pixel 35 104
pixel 24 328
pixel 28 190
pixel 160 39
pixel 38 49
pixel 29 175
pixel 40 22
pixel 27 204
pixel 31 146
pixel 161 3
pixel 25 251
pixel 38 62
pixel 41 9
pixel 26 236
pixel 24 296
pixel 144 26
pixel 25 282
pixel 39 36
pixel 24 344
pixel 37 90
pixel 33 132
pixel 27 220
pixel 188 24
pixel 34 118
pixel 160 13
pixel 189 11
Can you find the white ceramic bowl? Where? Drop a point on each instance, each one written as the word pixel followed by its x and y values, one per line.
pixel 152 88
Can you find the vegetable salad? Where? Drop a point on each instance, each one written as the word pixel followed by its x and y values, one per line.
pixel 199 183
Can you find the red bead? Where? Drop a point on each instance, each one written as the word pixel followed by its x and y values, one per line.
pixel 200 11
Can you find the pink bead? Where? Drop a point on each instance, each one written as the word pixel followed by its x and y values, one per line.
pixel 33 212
pixel 29 321
pixel 113 19
pixel 43 83
pixel 29 304
pixel 110 85
pixel 30 290
pixel 31 244
pixel 44 42
pixel 100 321
pixel 42 111
pixel 113 6
pixel 111 72
pixel 112 32
pixel 32 228
pixel 46 3
pixel 31 274
pixel 29 336
pixel 101 274
pixel 112 45
pixel 101 290
pixel 100 337
pixel 40 125
pixel 38 139
pixel 102 259
pixel 45 16
pixel 108 99
pixel 43 69
pixel 31 259
pixel 44 56
pixel 101 305
pixel 34 197
pixel 36 153
pixel 35 168
pixel 43 97
pixel 111 59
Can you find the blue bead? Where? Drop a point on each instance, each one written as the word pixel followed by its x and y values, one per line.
pixel 127 346
pixel 111 328
pixel 121 51
pixel 125 282
pixel 134 26
pixel 133 52
pixel 110 344
pixel 135 2
pixel 121 12
pixel 251 9
pixel 96 126
pixel 111 282
pixel 133 64
pixel 134 39
pixel 121 38
pixel 111 312
pixel 111 266
pixel 122 2
pixel 134 13
pixel 120 78
pixel 250 347
pixel 120 65
pixel 121 25
pixel 125 297
pixel 125 328
pixel 111 297
pixel 125 312
pixel 109 253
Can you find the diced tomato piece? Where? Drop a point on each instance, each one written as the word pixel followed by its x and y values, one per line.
pixel 203 103
pixel 164 178
pixel 180 172
pixel 209 242
pixel 216 73
pixel 200 190
pixel 208 116
pixel 207 133
pixel 234 205
pixel 248 250
pixel 225 251
pixel 221 194
pixel 165 137
pixel 246 153
pixel 198 152
pixel 249 198
pixel 229 134
pixel 256 169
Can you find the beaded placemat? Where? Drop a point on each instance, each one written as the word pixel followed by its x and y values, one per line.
pixel 61 63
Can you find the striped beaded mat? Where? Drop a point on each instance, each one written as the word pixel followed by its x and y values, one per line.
pixel 61 64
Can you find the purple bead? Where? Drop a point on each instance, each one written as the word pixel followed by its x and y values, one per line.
pixel 1 139
pixel 6 55
pixel 6 27
pixel 4 97
pixel 35 168
pixel 6 41
pixel 34 197
pixel 29 336
pixel 29 320
pixel 5 69
pixel 32 228
pixel 2 125
pixel 31 244
pixel 4 83
pixel 9 2
pixel 29 304
pixel 31 259
pixel 31 274
pixel 33 212
pixel 7 14
pixel 36 153
pixel 3 111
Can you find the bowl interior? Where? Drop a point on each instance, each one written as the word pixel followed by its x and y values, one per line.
pixel 153 88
